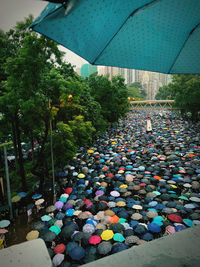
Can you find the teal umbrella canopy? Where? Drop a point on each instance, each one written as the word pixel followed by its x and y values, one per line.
pixel 155 35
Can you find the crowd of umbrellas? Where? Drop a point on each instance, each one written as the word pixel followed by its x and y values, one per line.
pixel 129 188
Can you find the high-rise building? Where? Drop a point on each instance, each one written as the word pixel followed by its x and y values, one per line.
pixel 150 81
pixel 87 69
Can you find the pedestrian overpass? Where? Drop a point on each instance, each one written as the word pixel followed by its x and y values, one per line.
pixel 151 104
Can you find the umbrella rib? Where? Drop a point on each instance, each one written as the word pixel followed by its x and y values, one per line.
pixel 189 35
pixel 139 9
pixel 63 5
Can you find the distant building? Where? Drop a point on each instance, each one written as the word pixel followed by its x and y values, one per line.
pixel 87 69
pixel 150 81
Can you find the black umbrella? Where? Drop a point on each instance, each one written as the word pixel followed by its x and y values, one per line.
pixel 38 226
pixel 89 258
pixel 104 248
pixel 48 236
pixel 78 236
pixel 67 231
pixel 116 227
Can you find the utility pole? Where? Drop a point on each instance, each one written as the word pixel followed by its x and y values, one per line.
pixel 8 181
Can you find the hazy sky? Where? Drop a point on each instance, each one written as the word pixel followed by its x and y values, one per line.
pixel 12 11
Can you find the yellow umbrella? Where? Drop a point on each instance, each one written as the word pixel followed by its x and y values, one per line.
pixel 113 143
pixel 15 198
pixel 121 204
pixel 172 185
pixel 90 151
pixel 81 176
pixel 107 235
pixel 32 235
pixel 123 186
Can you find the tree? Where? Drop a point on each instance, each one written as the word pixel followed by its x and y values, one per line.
pixel 111 95
pixel 186 88
pixel 165 92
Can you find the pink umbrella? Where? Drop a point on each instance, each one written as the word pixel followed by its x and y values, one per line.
pixel 3 231
pixel 170 229
pixel 95 239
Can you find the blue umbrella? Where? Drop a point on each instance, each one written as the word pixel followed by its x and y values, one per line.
pixel 119 247
pixel 77 253
pixel 154 228
pixel 46 218
pixel 36 196
pixel 180 228
pixel 147 237
pixel 70 212
pixel 60 215
pixel 162 49
pixel 22 194
pixel 70 246
pixel 4 223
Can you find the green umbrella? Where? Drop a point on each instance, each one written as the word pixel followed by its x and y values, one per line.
pixel 55 228
pixel 15 199
pixel 118 237
pixel 122 220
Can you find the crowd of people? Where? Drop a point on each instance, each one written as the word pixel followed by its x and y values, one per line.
pixel 133 185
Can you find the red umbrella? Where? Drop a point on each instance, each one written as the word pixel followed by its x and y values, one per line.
pixel 60 248
pixel 87 201
pixel 95 239
pixel 175 218
pixel 111 175
pixel 68 190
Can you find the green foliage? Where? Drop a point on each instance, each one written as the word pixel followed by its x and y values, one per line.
pixel 136 91
pixel 111 95
pixel 186 88
pixel 82 131
pixel 165 92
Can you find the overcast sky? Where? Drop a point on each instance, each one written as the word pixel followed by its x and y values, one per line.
pixel 12 11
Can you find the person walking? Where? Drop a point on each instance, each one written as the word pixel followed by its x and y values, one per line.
pixel 149 126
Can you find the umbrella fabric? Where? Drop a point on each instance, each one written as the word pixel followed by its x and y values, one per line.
pixel 119 247
pixel 50 209
pixel 22 194
pixel 3 231
pixel 116 227
pixel 46 218
pixel 39 201
pixel 70 246
pixel 55 228
pixel 77 253
pixel 58 259
pixel 48 236
pixel 67 231
pixel 60 248
pixel 59 205
pixel 131 240
pixel 38 226
pixel 174 218
pixel 32 235
pixel 88 228
pixel 118 237
pixel 147 237
pixel 36 196
pixel 16 198
pixel 154 228
pixel 4 223
pixel 107 235
pixel 95 239
pixel 70 212
pixel 104 248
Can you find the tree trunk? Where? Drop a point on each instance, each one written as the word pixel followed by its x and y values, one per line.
pixel 20 159
pixel 39 168
pixel 15 144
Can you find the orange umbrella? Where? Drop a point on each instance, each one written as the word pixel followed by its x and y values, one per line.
pixel 157 177
pixel 114 219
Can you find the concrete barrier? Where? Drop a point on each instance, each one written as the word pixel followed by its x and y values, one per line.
pixel 28 254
